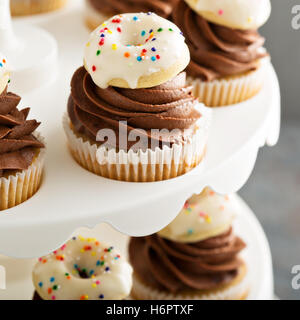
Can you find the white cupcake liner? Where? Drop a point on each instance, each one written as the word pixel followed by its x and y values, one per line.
pixel 18 188
pixel 140 166
pixel 238 291
pixel 93 18
pixel 229 91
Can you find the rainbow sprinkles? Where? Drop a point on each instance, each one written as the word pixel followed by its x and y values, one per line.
pixel 82 269
pixel 135 45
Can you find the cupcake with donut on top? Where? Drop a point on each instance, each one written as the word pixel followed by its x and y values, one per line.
pixel 82 269
pixel 228 60
pixel 196 257
pixel 131 116
pixel 21 148
pixel 97 11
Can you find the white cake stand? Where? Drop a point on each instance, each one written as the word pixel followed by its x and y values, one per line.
pixel 257 254
pixel 31 52
pixel 71 197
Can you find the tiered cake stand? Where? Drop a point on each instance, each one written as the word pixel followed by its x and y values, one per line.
pixel 71 197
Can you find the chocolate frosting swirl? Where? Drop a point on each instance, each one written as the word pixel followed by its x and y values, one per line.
pixel 217 51
pixel 17 143
pixel 168 106
pixel 113 7
pixel 174 266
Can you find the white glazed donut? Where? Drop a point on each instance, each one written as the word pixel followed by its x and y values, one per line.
pixel 240 14
pixel 135 51
pixel 4 73
pixel 204 216
pixel 59 276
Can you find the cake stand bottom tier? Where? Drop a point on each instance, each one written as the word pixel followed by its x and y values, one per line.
pixel 257 254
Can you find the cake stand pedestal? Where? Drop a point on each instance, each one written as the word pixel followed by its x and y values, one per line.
pixel 31 53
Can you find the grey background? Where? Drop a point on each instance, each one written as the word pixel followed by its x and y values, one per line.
pixel 273 189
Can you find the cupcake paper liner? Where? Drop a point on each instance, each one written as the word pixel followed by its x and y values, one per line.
pixel 93 18
pixel 229 91
pixel 23 185
pixel 157 165
pixel 28 7
pixel 239 291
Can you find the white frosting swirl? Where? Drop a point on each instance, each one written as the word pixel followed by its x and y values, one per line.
pixel 204 216
pixel 4 73
pixel 239 14
pixel 58 276
pixel 132 46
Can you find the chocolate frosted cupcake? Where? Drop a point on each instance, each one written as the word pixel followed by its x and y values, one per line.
pixel 159 131
pixel 21 156
pixel 98 11
pixel 227 55
pixel 195 257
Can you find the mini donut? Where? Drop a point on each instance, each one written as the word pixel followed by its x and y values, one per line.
pixel 83 269
pixel 4 73
pixel 236 14
pixel 203 216
pixel 139 50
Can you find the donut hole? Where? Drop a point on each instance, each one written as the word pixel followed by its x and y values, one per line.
pixel 83 274
pixel 82 269
pixel 133 38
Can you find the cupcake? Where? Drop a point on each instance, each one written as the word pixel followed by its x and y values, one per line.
pixel 196 257
pixel 97 11
pixel 228 60
pixel 82 269
pixel 131 116
pixel 28 7
pixel 21 149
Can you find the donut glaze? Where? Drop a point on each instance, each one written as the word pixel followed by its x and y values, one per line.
pixel 237 14
pixel 203 216
pixel 83 269
pixel 135 51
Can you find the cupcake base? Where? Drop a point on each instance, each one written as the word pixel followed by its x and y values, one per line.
pixel 21 186
pixel 230 90
pixel 148 166
pixel 238 289
pixel 22 8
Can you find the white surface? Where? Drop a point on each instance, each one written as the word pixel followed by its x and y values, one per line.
pixel 257 254
pixel 71 197
pixel 30 51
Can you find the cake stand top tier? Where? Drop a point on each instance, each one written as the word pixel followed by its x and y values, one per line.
pixel 71 197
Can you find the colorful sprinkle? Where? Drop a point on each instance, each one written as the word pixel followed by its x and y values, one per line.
pixel 143 33
pixel 114 47
pixel 94 68
pixel 98 52
pixel 220 12
pixel 190 231
pixel 126 54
